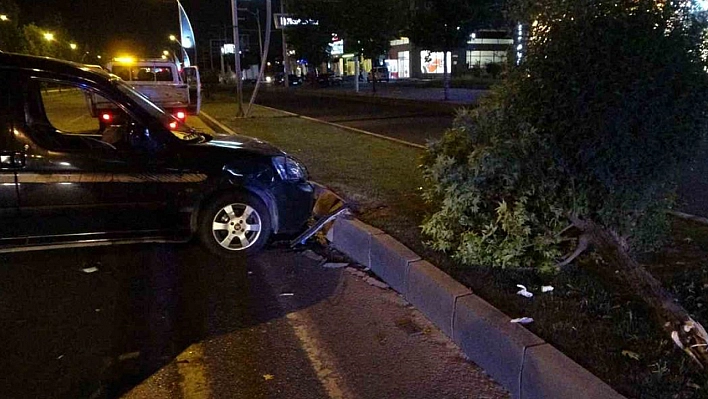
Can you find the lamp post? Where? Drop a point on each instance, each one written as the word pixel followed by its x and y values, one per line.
pixel 183 52
pixel 237 58
pixel 257 14
pixel 4 18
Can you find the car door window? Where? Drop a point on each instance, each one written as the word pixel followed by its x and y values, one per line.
pixel 66 117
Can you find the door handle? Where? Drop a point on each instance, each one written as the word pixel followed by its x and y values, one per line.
pixel 12 159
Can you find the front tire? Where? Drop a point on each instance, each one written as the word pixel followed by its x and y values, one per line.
pixel 235 224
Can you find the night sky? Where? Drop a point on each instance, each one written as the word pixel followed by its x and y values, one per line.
pixel 137 27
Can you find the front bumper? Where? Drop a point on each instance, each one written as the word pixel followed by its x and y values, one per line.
pixel 294 202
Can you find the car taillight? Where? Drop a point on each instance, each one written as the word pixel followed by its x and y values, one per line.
pixel 181 115
pixel 173 125
pixel 106 117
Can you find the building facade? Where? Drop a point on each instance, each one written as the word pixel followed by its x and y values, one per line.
pixel 406 60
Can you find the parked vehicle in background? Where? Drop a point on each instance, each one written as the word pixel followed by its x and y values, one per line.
pixel 293 80
pixel 329 79
pixel 141 176
pixel 380 73
pixel 176 91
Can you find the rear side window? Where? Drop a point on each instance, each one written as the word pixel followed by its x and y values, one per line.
pixel 122 71
pixel 152 74
pixel 143 73
pixel 163 74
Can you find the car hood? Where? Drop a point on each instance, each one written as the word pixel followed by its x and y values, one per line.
pixel 223 142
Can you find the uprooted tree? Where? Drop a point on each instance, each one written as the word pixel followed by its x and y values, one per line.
pixel 580 147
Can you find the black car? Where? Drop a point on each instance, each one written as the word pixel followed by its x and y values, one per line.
pixel 293 80
pixel 329 79
pixel 71 174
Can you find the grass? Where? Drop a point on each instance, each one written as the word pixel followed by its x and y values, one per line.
pixel 597 323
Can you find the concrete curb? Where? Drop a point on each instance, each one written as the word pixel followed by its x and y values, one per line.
pixel 372 98
pixel 523 363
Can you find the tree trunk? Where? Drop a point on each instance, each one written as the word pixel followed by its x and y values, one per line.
pixel 686 333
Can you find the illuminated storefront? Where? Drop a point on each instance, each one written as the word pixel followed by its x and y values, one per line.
pixel 405 60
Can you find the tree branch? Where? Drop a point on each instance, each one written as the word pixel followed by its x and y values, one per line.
pixel 583 244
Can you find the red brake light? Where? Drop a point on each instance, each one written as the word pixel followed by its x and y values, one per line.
pixel 106 116
pixel 173 125
pixel 181 115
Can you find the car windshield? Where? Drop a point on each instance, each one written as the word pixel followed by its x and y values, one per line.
pixel 178 128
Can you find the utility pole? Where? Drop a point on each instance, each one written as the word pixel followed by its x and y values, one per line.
pixel 237 56
pixel 260 39
pixel 257 14
pixel 286 62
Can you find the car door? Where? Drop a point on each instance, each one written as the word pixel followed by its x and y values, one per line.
pixel 11 159
pixel 191 77
pixel 77 178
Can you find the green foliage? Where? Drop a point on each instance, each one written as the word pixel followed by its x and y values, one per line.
pixel 611 97
pixel 443 25
pixel 11 39
pixel 367 26
pixel 311 42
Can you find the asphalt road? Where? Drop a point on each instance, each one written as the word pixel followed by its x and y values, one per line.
pixel 166 321
pixel 413 123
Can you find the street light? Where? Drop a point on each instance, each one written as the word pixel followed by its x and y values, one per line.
pixel 73 46
pixel 48 36
pixel 256 14
pixel 183 52
pixel 4 18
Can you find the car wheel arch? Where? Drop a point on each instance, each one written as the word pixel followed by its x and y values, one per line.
pixel 263 195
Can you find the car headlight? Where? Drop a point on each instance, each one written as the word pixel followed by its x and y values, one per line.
pixel 289 169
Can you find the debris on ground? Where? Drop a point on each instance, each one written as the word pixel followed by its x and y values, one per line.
pixel 376 282
pixel 523 291
pixel 630 354
pixel 522 320
pixel 287 294
pixel 546 288
pixel 334 265
pixel 356 272
pixel 88 270
pixel 128 356
pixel 310 254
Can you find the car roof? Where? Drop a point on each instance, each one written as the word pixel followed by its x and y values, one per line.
pixel 24 61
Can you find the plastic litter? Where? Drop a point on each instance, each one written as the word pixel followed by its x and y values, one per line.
pixel 523 291
pixel 546 288
pixel 522 320
pixel 630 354
pixel 287 294
pixel 89 269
